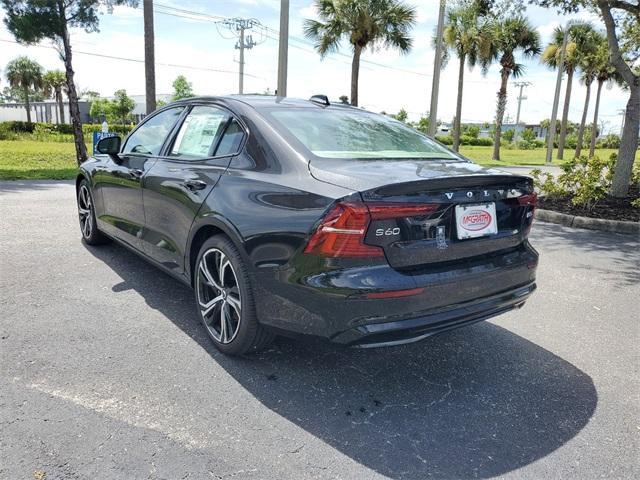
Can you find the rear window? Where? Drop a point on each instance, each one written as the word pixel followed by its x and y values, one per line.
pixel 333 133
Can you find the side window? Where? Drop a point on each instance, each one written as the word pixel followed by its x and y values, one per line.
pixel 199 132
pixel 231 140
pixel 150 136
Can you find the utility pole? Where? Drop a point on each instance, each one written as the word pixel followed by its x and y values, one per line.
pixel 238 26
pixel 437 64
pixel 623 113
pixel 149 57
pixel 240 45
pixel 283 51
pixel 556 99
pixel 520 98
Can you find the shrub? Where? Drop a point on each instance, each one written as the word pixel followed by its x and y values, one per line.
pixel 508 135
pixel 609 141
pixel 482 142
pixel 473 131
pixel 585 180
pixel 445 139
pixel 525 145
pixel 26 127
pixel 6 133
pixel 122 130
pixel 528 135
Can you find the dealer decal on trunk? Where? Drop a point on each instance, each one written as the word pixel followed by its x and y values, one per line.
pixel 475 220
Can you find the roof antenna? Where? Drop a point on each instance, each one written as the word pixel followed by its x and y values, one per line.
pixel 320 100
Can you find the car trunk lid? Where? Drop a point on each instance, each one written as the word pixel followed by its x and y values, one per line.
pixel 454 192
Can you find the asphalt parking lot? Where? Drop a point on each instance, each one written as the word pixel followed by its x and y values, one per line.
pixel 105 372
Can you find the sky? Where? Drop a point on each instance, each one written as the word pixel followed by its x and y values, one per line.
pixel 204 52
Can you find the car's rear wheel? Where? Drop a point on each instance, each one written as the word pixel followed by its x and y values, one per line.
pixel 87 216
pixel 225 299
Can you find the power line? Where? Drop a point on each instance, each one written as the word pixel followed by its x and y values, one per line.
pixel 136 60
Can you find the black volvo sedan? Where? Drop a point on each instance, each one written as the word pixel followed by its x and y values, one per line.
pixel 309 218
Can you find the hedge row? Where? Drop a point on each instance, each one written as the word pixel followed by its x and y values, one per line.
pixel 465 140
pixel 62 128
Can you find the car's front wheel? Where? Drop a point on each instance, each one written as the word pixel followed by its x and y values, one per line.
pixel 225 299
pixel 87 216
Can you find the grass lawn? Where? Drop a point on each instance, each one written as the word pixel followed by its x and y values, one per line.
pixel 482 155
pixel 30 159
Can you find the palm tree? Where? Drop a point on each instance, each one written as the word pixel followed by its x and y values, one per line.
pixel 508 37
pixel 551 56
pixel 25 74
pixel 466 35
pixel 604 72
pixel 54 81
pixel 366 24
pixel 588 64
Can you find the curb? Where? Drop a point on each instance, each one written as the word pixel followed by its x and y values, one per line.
pixel 614 226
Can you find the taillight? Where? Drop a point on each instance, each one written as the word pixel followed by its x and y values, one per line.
pixel 530 199
pixel 341 233
pixel 343 229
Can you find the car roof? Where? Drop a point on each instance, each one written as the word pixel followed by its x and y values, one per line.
pixel 260 101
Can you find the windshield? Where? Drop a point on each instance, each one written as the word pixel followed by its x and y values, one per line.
pixel 333 133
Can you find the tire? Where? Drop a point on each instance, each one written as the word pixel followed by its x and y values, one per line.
pixel 87 216
pixel 228 295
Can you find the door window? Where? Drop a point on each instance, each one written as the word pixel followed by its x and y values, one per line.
pixel 150 136
pixel 199 133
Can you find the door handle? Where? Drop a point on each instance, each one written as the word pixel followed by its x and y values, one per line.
pixel 194 185
pixel 136 172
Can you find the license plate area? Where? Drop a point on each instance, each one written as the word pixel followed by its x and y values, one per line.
pixel 476 220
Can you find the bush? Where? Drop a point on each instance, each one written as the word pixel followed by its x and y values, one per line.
pixel 465 140
pixel 122 130
pixel 445 139
pixel 529 135
pixel 7 133
pixel 59 128
pixel 26 127
pixel 473 131
pixel 609 141
pixel 525 145
pixel 508 135
pixel 482 142
pixel 585 180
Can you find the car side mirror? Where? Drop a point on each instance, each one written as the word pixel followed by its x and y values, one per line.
pixel 109 145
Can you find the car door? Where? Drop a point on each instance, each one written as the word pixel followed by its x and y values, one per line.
pixel 180 180
pixel 120 182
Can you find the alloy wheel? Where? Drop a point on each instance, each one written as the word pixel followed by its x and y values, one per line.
pixel 84 211
pixel 219 295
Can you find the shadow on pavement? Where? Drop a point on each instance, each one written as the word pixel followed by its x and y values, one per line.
pixel 476 402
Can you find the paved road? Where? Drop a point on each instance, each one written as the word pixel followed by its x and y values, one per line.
pixel 106 373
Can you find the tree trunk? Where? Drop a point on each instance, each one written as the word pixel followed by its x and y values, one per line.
pixel 72 95
pixel 60 100
pixel 565 114
pixel 594 127
pixel 629 140
pixel 583 121
pixel 628 143
pixel 149 56
pixel 457 121
pixel 355 73
pixel 27 105
pixel 502 104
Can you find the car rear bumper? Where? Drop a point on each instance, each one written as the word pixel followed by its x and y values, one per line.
pixel 375 305
pixel 425 324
